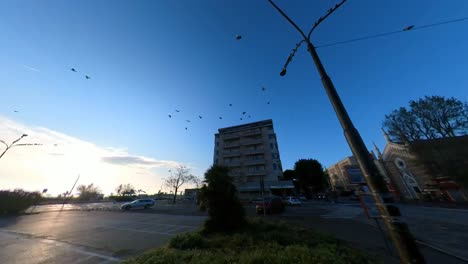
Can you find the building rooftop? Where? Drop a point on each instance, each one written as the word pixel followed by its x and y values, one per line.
pixel 267 122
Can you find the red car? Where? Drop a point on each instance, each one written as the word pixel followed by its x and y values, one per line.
pixel 272 206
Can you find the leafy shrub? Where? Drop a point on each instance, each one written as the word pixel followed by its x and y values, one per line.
pixel 258 242
pixel 219 196
pixel 18 200
pixel 187 241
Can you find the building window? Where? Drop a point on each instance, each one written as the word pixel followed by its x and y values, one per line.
pixel 217 143
pixel 271 146
pixel 270 128
pixel 274 166
pixel 270 136
pixel 273 156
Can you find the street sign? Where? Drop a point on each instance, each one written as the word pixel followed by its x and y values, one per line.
pixel 368 204
pixel 354 174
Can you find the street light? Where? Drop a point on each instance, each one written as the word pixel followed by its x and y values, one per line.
pixel 397 230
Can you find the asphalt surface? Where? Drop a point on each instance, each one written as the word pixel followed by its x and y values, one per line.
pixel 101 233
pixel 87 237
pixel 442 233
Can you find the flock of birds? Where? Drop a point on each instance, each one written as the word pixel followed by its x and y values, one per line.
pixel 243 115
pixel 86 76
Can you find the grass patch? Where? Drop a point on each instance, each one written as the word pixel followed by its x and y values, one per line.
pixel 258 242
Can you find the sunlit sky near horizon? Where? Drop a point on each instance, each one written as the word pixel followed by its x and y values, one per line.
pixel 148 58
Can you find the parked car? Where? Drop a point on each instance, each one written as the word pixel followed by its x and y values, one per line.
pixel 255 200
pixel 320 196
pixel 272 206
pixel 294 201
pixel 139 203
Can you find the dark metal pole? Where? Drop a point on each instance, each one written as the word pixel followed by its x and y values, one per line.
pixel 398 231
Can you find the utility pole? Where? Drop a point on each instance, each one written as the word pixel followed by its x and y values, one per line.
pixel 397 230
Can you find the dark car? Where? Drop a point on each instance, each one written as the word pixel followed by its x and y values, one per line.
pixel 272 206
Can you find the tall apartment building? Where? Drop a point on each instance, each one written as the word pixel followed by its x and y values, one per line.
pixel 251 152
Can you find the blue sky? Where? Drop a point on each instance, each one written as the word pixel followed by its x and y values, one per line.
pixel 148 58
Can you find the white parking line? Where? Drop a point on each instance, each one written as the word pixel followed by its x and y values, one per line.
pixel 139 230
pixel 82 260
pixel 56 243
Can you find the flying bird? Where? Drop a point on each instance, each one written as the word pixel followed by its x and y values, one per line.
pixel 241 118
pixel 263 88
pixel 186 128
pixel 230 104
pixel 268 102
pixel 16 111
pixel 169 116
pixel 55 145
pixel 200 116
pixel 243 113
pixel 220 118
pixel 87 77
pixel 188 121
pixel 238 37
pixel 177 111
pixel 408 28
pixel 73 70
pixel 249 116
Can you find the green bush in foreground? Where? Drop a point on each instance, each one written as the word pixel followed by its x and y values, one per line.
pixel 219 196
pixel 18 200
pixel 258 242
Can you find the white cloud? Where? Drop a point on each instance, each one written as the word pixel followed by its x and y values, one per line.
pixel 56 163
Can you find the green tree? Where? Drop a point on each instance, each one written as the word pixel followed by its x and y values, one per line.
pixel 310 174
pixel 430 117
pixel 89 192
pixel 179 177
pixel 219 196
pixel 125 190
pixel 289 175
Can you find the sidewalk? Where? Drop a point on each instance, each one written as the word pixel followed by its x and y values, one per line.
pixel 364 237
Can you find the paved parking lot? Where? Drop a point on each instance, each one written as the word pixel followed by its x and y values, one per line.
pixel 87 237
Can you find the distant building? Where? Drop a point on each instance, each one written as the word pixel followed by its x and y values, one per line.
pixel 434 169
pixel 338 173
pixel 251 152
pixel 419 170
pixel 191 194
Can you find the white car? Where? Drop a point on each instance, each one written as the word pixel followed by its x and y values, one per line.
pixel 302 197
pixel 139 203
pixel 293 201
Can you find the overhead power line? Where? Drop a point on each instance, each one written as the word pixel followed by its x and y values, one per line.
pixel 409 28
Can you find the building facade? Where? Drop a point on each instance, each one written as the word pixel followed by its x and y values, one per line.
pixel 251 152
pixel 337 172
pixel 434 169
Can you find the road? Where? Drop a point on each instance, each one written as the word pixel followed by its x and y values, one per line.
pixel 87 237
pixel 436 228
pixel 100 233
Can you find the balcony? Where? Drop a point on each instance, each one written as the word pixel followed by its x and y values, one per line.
pixel 231 153
pixel 253 151
pixel 256 172
pixel 232 163
pixel 235 135
pixel 251 133
pixel 254 161
pixel 252 141
pixel 231 144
